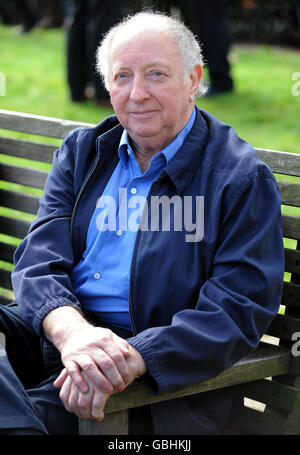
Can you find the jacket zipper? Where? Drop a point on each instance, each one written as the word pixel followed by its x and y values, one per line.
pixel 81 191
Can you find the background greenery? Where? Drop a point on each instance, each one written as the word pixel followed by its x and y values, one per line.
pixel 261 109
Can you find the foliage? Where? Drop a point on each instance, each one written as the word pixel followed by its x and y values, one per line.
pixel 272 21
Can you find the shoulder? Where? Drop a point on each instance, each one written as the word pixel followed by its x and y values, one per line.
pixel 79 146
pixel 229 154
pixel 231 165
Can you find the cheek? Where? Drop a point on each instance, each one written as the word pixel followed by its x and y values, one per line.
pixel 118 103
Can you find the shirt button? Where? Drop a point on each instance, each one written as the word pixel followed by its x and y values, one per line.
pixel 97 276
pixel 119 233
pixel 133 191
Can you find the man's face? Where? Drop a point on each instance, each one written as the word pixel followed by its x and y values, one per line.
pixel 148 91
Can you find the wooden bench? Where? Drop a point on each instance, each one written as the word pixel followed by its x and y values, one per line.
pixel 269 376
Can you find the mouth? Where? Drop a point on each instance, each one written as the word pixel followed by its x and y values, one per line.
pixel 142 114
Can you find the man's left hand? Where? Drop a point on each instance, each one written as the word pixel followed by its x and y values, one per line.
pixel 90 405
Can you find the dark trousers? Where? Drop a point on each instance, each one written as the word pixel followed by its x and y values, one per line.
pixel 208 20
pixel 88 21
pixel 28 398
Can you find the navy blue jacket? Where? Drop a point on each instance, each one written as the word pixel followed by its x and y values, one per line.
pixel 196 307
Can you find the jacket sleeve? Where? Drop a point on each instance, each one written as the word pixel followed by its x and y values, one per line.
pixel 44 259
pixel 235 304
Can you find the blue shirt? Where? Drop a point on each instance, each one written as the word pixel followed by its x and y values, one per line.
pixel 101 278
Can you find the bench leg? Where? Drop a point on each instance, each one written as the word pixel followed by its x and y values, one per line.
pixel 115 423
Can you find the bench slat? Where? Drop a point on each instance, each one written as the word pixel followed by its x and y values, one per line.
pixel 291 227
pixel 273 393
pixel 13 227
pixel 291 295
pixel 22 175
pixel 253 422
pixel 6 252
pixel 4 300
pixel 19 201
pixel 27 149
pixel 36 124
pixel 281 162
pixel 290 193
pixel 283 326
pixel 5 280
pixel 267 360
pixel 292 261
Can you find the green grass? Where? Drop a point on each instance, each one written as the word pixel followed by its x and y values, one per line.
pixel 261 109
pixel 35 71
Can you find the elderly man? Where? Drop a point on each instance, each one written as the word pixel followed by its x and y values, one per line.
pixel 156 252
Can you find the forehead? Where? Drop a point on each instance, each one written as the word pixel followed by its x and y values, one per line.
pixel 144 47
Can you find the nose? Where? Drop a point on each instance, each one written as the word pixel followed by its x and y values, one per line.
pixel 139 89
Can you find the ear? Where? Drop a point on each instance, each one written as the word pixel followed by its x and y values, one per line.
pixel 195 78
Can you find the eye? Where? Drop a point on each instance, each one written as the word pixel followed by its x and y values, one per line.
pixel 121 76
pixel 157 75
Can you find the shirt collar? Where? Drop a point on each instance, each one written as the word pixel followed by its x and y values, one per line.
pixel 168 152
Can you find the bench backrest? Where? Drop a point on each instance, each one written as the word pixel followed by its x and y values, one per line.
pixel 24 166
pixel 22 182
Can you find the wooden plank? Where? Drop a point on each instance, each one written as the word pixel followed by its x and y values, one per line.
pixel 6 252
pixel 19 201
pixel 37 124
pixel 4 300
pixel 290 193
pixel 284 326
pixel 272 393
pixel 5 279
pixel 292 261
pixel 266 361
pixel 281 162
pixel 252 422
pixel 27 149
pixel 291 295
pixel 113 424
pixel 22 175
pixel 13 227
pixel 291 227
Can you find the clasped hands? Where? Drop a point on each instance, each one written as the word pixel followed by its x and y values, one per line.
pixel 97 364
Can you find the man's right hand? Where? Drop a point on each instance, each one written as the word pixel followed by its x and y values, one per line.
pixel 100 354
pixel 96 351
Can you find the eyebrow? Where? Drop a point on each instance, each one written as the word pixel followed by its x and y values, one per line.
pixel 154 64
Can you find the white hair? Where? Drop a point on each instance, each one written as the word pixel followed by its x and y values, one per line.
pixel 145 20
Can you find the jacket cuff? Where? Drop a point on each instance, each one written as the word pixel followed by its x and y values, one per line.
pixel 156 377
pixel 48 306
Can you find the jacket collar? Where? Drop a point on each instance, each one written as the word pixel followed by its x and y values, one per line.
pixel 181 168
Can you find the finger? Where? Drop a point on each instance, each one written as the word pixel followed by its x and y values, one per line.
pixel 61 378
pixel 122 344
pixel 73 401
pixel 74 371
pixel 65 392
pixel 92 369
pixel 113 366
pixel 118 372
pixel 96 410
pixel 84 403
pixel 98 404
pixel 109 340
